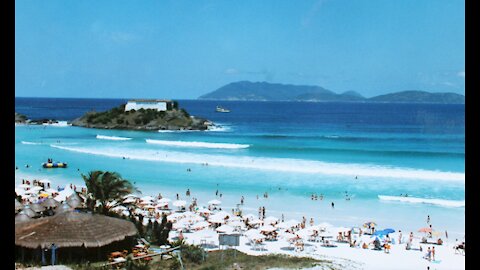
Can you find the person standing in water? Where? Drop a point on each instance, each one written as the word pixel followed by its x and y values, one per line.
pixel 333 205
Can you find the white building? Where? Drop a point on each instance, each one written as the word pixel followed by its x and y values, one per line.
pixel 155 104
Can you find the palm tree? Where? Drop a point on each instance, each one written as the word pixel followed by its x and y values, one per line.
pixel 106 189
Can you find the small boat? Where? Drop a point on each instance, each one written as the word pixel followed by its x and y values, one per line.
pixel 223 110
pixel 54 165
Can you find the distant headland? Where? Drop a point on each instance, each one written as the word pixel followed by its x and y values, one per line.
pixel 264 91
pixel 141 114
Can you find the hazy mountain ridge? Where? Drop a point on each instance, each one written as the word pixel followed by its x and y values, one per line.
pixel 264 91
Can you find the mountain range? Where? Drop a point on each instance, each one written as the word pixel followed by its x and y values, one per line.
pixel 264 91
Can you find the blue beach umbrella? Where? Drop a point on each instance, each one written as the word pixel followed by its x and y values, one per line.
pixel 379 233
pixel 389 230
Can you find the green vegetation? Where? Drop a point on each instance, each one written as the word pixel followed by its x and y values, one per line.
pixel 142 119
pixel 104 188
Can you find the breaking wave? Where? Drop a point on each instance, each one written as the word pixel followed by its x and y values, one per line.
pixel 273 164
pixel 439 202
pixel 112 138
pixel 199 144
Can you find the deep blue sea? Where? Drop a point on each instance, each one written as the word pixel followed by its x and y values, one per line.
pixel 288 149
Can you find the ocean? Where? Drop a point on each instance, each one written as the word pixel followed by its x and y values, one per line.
pixel 370 153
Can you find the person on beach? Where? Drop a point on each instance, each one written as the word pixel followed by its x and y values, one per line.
pixel 433 253
pixel 428 254
pixel 178 197
pixel 333 205
pixel 241 200
pixel 283 219
pixel 399 237
pixel 187 193
pixel 428 219
pixel 311 222
pixel 216 193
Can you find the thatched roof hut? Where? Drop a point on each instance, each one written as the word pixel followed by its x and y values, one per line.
pixel 18 205
pixel 72 229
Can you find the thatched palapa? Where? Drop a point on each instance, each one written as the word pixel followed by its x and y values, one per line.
pixel 72 229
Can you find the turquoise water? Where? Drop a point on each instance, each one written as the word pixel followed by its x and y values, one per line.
pixel 289 150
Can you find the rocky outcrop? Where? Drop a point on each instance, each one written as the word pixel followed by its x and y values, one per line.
pixel 118 118
pixel 20 118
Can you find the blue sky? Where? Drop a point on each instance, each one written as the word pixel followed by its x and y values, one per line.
pixel 184 49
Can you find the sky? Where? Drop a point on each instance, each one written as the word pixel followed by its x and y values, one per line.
pixel 184 49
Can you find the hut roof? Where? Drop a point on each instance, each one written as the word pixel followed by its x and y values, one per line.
pixel 72 229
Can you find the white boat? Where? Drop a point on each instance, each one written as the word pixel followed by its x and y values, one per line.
pixel 223 110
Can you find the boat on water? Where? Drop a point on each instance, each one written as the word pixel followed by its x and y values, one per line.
pixel 221 109
pixel 51 164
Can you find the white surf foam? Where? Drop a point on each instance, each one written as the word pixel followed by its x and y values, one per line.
pixel 198 144
pixel 273 164
pixel 30 143
pixel 440 202
pixel 112 138
pixel 59 124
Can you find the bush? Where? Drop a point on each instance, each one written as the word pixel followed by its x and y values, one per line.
pixel 137 121
pixel 120 121
pixel 192 253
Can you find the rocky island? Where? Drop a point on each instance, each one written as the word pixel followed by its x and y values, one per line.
pixel 20 118
pixel 143 115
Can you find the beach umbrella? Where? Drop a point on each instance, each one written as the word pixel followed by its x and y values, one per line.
pixel 234 218
pixel 37 207
pixel 255 221
pixel 236 223
pixel 129 200
pixel 24 186
pixel 148 206
pixel 304 233
pixel 179 203
pixel 216 219
pixel 64 207
pixel 369 224
pixel 36 188
pixel 214 202
pixel 130 196
pixel 174 216
pixel 51 190
pixel 19 191
pixel 225 229
pixel 254 234
pixel 164 200
pixel 205 233
pixel 341 229
pixel 425 229
pixel 50 202
pixel 248 216
pixel 28 211
pixel 147 198
pixel 64 194
pixel 267 228
pixel 21 217
pixel 270 220
pixel 389 230
pixel 288 236
pixel 200 225
pixel 18 205
pixel 379 233
pixel 204 211
pixel 437 233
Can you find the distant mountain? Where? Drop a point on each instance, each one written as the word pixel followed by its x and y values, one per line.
pixel 263 91
pixel 420 97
